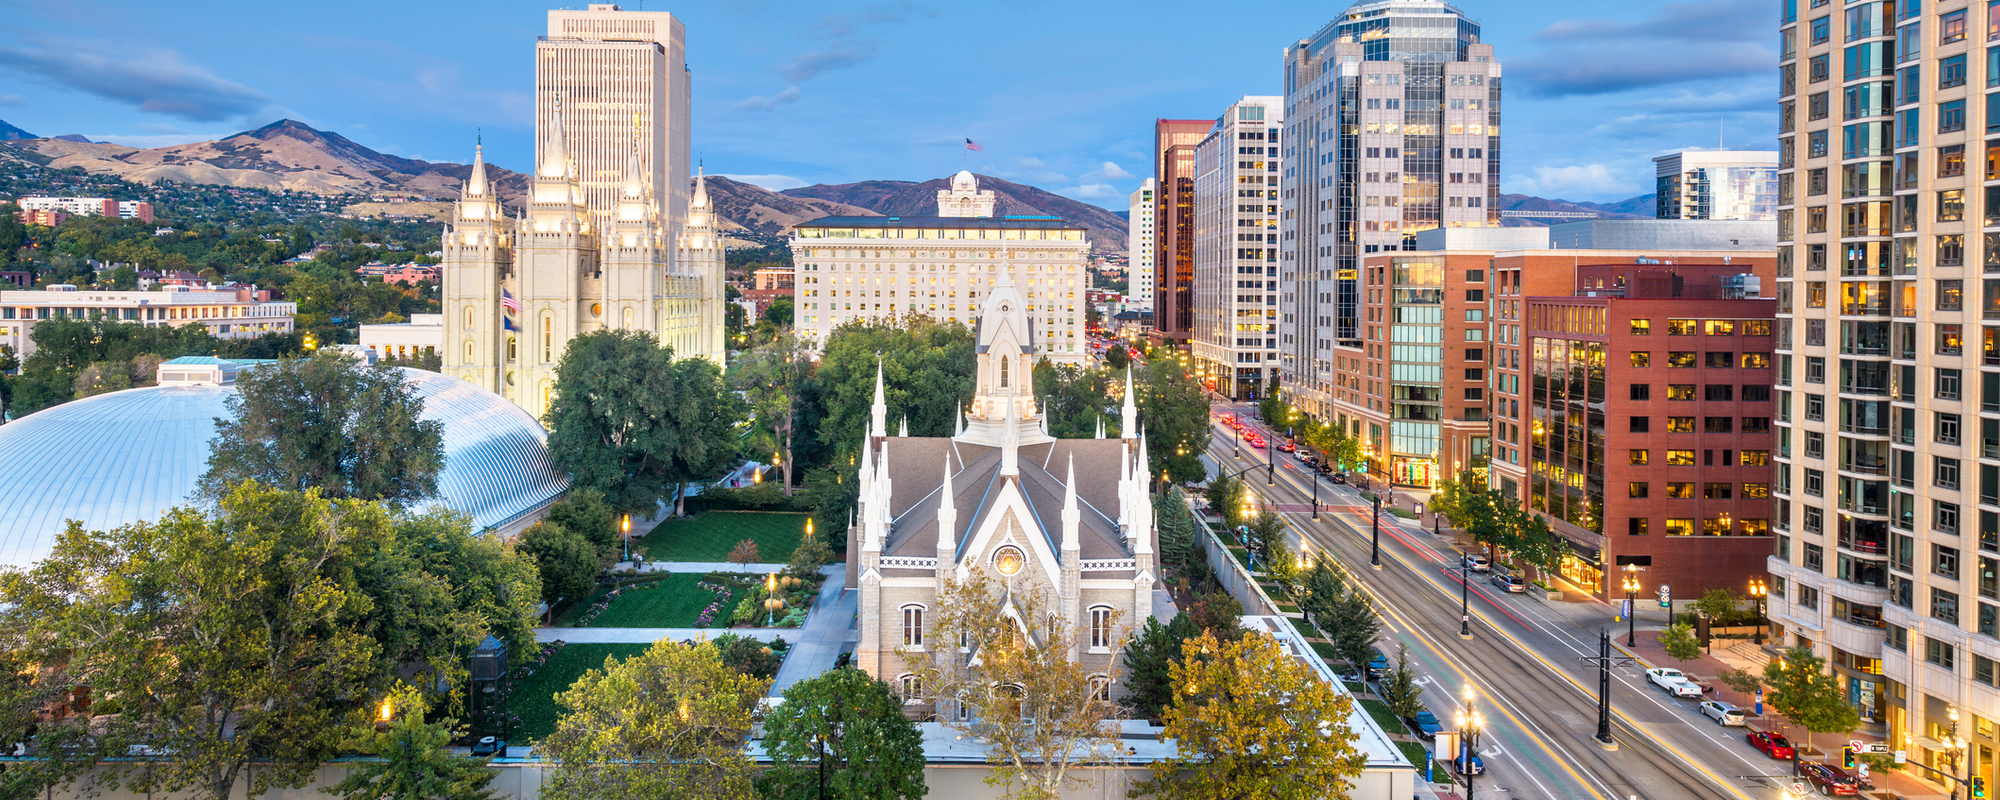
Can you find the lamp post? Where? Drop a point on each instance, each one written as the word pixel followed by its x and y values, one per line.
pixel 1464 598
pixel 771 601
pixel 1757 591
pixel 1314 477
pixel 626 527
pixel 1954 748
pixel 1631 610
pixel 1375 536
pixel 1469 723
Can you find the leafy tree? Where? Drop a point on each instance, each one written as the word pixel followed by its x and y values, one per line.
pixel 1323 590
pixel 705 416
pixel 584 512
pixel 1173 409
pixel 745 552
pixel 102 377
pixel 748 656
pixel 927 375
pixel 1267 531
pixel 1680 643
pixel 440 588
pixel 1355 628
pixel 36 710
pixel 847 729
pixel 1399 687
pixel 807 559
pixel 770 376
pixel 1803 691
pixel 1075 399
pixel 330 423
pixel 1250 721
pixel 1225 496
pixel 413 759
pixel 629 421
pixel 1274 411
pixel 1116 358
pixel 1717 604
pixel 669 722
pixel 779 313
pixel 566 561
pixel 1218 613
pixel 1148 657
pixel 1042 713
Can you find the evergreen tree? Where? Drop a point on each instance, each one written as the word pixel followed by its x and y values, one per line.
pixel 565 560
pixel 1148 660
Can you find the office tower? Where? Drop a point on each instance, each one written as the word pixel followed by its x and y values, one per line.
pixel 1888 489
pixel 1717 184
pixel 1139 252
pixel 1235 334
pixel 1393 127
pixel 1174 141
pixel 879 268
pixel 611 69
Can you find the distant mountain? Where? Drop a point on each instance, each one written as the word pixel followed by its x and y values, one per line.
pixel 10 133
pixel 768 215
pixel 73 137
pixel 904 198
pixel 282 155
pixel 1640 207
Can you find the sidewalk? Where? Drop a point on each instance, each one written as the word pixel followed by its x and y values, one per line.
pixel 703 567
pixel 825 634
pixel 651 635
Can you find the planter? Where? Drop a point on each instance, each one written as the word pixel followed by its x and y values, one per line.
pixel 1552 594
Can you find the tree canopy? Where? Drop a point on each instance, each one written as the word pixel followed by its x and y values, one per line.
pixel 849 728
pixel 1075 399
pixel 1174 411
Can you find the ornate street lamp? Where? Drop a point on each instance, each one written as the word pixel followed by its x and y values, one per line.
pixel 1757 592
pixel 1469 724
pixel 1631 584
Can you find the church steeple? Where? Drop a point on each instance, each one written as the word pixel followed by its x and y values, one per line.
pixel 1003 402
pixel 475 184
pixel 555 151
pixel 878 414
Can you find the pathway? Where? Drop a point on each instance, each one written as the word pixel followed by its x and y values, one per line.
pixel 704 567
pixel 825 634
pixel 650 635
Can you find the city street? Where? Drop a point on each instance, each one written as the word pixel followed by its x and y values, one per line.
pixel 1524 660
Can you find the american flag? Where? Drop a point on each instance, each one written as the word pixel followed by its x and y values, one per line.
pixel 972 145
pixel 508 302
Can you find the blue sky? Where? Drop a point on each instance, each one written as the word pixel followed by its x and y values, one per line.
pixel 1061 95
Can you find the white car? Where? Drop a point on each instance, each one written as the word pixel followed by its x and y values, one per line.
pixel 1722 712
pixel 1673 681
pixel 1477 563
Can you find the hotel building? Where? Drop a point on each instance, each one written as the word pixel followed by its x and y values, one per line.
pixel 228 314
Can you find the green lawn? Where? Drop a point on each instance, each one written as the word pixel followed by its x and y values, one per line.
pixel 533 699
pixel 710 536
pixel 1383 717
pixel 674 602
pixel 1415 752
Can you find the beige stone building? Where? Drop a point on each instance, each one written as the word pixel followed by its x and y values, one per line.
pixel 1004 497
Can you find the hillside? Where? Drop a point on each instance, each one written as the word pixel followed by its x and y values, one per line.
pixel 904 198
pixel 10 133
pixel 1640 207
pixel 765 215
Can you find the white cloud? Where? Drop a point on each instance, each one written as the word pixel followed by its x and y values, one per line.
pixel 1593 180
pixel 762 103
pixel 776 183
pixel 1115 172
pixel 154 81
pixel 10 100
pixel 1094 190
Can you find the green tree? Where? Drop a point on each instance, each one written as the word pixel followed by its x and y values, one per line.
pixel 1148 658
pixel 748 656
pixel 1355 628
pixel 629 421
pixel 1173 409
pixel 584 512
pixel 1179 532
pixel 669 722
pixel 1717 604
pixel 330 423
pixel 1075 399
pixel 847 729
pixel 1251 721
pixel 1116 358
pixel 779 313
pixel 1225 496
pixel 566 561
pixel 1323 591
pixel 927 375
pixel 1680 643
pixel 1399 687
pixel 413 759
pixel 1219 613
pixel 704 415
pixel 1267 531
pixel 770 377
pixel 1803 691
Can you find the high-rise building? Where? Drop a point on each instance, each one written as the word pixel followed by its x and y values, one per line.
pixel 611 69
pixel 1717 184
pixel 863 268
pixel 1235 335
pixel 1888 516
pixel 1392 127
pixel 1140 235
pixel 1174 141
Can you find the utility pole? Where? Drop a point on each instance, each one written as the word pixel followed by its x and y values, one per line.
pixel 1604 661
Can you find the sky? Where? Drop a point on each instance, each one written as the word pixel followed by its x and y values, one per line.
pixel 1060 95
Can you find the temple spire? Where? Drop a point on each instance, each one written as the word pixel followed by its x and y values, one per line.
pixel 635 180
pixel 475 184
pixel 1129 416
pixel 878 419
pixel 555 152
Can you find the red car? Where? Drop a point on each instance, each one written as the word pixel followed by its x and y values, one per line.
pixel 1287 447
pixel 1772 744
pixel 1829 779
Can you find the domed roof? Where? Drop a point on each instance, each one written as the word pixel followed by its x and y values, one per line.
pixel 964 181
pixel 125 457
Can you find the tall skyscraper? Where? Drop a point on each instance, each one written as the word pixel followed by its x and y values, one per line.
pixel 1174 141
pixel 1392 127
pixel 1717 184
pixel 1139 248
pixel 1235 335
pixel 1888 518
pixel 609 67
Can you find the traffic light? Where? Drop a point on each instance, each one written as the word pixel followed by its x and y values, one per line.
pixel 1978 787
pixel 1847 757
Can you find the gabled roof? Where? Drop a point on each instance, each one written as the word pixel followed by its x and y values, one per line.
pixel 915 474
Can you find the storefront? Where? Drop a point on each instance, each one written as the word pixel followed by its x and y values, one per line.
pixel 1588 574
pixel 1411 471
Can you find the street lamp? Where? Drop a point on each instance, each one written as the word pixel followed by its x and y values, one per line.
pixel 1757 591
pixel 1464 598
pixel 1631 611
pixel 1375 536
pixel 1469 723
pixel 626 526
pixel 771 601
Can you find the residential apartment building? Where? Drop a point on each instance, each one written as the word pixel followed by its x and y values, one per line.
pixel 877 268
pixel 1717 184
pixel 86 207
pixel 228 314
pixel 1393 114
pixel 1174 141
pixel 1888 515
pixel 1235 335
pixel 1140 242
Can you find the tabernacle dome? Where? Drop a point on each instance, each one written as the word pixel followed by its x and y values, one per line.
pixel 124 457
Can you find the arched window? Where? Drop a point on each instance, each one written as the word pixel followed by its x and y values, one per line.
pixel 468 317
pixel 468 351
pixel 628 317
pixel 546 390
pixel 548 338
pixel 910 687
pixel 512 349
pixel 1003 372
pixel 1100 688
pixel 1100 627
pixel 913 626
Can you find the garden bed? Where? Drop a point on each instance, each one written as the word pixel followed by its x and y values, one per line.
pixel 710 536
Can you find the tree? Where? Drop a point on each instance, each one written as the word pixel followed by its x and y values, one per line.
pixel 1116 358
pixel 1680 643
pixel 102 377
pixel 1399 687
pixel 412 759
pixel 1267 532
pixel 1042 713
pixel 1148 658
pixel 809 557
pixel 1323 590
pixel 584 512
pixel 927 375
pixel 1716 604
pixel 705 415
pixel 627 420
pixel 745 552
pixel 327 422
pixel 565 560
pixel 1225 497
pixel 1218 613
pixel 1803 691
pixel 748 656
pixel 1075 399
pixel 770 377
pixel 847 729
pixel 1250 721
pixel 1179 533
pixel 1173 409
pixel 669 722
pixel 1355 627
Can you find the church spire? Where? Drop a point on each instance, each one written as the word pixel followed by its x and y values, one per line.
pixel 555 151
pixel 700 199
pixel 878 414
pixel 1072 516
pixel 475 184
pixel 947 515
pixel 635 187
pixel 1129 416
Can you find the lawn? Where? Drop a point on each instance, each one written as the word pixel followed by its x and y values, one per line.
pixel 671 602
pixel 710 536
pixel 1383 716
pixel 533 699
pixel 1415 752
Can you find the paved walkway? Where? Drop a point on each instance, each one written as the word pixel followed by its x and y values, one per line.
pixel 704 567
pixel 651 635
pixel 825 634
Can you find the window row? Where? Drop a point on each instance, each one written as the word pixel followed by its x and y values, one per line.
pixel 1712 327
pixel 1687 359
pixel 1685 490
pixel 1708 425
pixel 1685 458
pixel 1718 392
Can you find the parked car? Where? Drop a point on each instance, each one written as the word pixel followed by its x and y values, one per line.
pixel 1773 745
pixel 1476 562
pixel 1326 468
pixel 1378 665
pixel 1340 477
pixel 1510 583
pixel 1674 681
pixel 1425 724
pixel 1724 713
pixel 1829 779
pixel 1458 764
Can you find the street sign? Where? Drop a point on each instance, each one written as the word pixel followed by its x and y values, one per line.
pixel 1902 756
pixel 1856 744
pixel 1798 788
pixel 1666 596
pixel 1877 747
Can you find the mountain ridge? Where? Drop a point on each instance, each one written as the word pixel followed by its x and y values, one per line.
pixel 1107 231
pixel 9 133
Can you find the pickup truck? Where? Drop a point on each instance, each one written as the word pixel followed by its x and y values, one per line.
pixel 1673 681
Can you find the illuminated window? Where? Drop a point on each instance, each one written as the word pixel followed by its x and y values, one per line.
pixel 1680 527
pixel 1680 458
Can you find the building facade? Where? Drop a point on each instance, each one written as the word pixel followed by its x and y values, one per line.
pixel 1140 273
pixel 1717 184
pixel 1888 517
pixel 424 333
pixel 1174 141
pixel 866 268
pixel 228 314
pixel 610 70
pixel 1415 388
pixel 1235 335
pixel 1393 127
pixel 86 207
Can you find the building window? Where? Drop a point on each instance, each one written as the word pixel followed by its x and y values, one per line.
pixel 1100 627
pixel 1679 490
pixel 1637 489
pixel 1680 391
pixel 1680 527
pixel 1642 391
pixel 1944 605
pixel 1639 458
pixel 1944 561
pixel 1680 458
pixel 1636 526
pixel 1642 359
pixel 913 626
pixel 1642 424
pixel 910 687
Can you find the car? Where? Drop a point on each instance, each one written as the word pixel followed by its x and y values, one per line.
pixel 1310 461
pixel 1673 681
pixel 1773 745
pixel 1829 779
pixel 1510 583
pixel 1325 468
pixel 1351 677
pixel 1478 766
pixel 1425 724
pixel 1475 562
pixel 1378 665
pixel 1724 713
pixel 1287 447
pixel 1340 477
